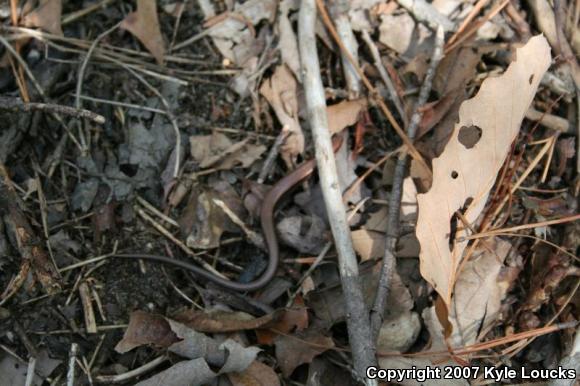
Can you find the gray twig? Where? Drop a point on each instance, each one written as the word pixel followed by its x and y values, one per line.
pixel 384 75
pixel 70 375
pixel 357 316
pixel 392 231
pixel 272 154
pixel 15 104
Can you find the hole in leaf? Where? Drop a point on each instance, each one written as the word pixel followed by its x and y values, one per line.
pixel 531 78
pixel 454 174
pixel 469 135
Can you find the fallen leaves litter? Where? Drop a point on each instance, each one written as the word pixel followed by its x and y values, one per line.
pixel 46 16
pixel 144 25
pixel 280 92
pixel 300 348
pixel 219 152
pixel 464 174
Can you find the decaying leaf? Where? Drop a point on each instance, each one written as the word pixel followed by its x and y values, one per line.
pixel 479 290
pixel 47 17
pixel 144 329
pixel 219 152
pixel 14 373
pixel 306 234
pixel 292 351
pixel 195 372
pixel 293 319
pixel 258 374
pixel 344 114
pixel 465 172
pixel 223 321
pixel 144 25
pixel 280 92
pixel 368 244
pixel 225 357
pixel 288 44
pixel 233 32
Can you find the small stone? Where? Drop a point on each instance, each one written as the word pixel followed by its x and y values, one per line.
pixel 399 333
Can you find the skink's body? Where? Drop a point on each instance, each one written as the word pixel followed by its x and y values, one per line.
pixel 268 229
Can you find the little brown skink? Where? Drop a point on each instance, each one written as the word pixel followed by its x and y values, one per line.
pixel 268 229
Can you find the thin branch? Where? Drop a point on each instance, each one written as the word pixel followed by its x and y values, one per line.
pixel 425 12
pixel 384 75
pixel 14 104
pixel 357 316
pixel 169 114
pixel 38 88
pixel 272 154
pixel 372 90
pixel 344 29
pixel 392 231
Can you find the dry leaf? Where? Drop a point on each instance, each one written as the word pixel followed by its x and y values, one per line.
pixel 233 33
pixel 258 374
pixel 292 351
pixel 288 44
pixel 47 17
pixel 397 31
pixel 293 319
pixel 144 329
pixel 305 233
pixel 224 321
pixel 399 333
pixel 144 25
pixel 218 151
pixel 280 92
pixel 479 290
pixel 465 172
pixel 344 114
pixel 368 244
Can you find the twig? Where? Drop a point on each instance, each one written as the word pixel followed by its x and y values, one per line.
pixel 14 104
pixel 177 242
pixel 69 18
pixel 384 75
pixel 478 7
pixel 157 212
pixel 170 116
pixel 425 12
pixel 30 371
pixel 108 379
pixel 357 315
pixel 550 121
pixel 88 310
pixel 392 231
pixel 372 90
pixel 70 375
pixel 495 232
pixel 39 89
pixel 122 104
pixel 254 237
pixel 182 7
pixel 476 26
pixel 344 29
pixel 308 272
pixel 81 75
pixel 272 154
